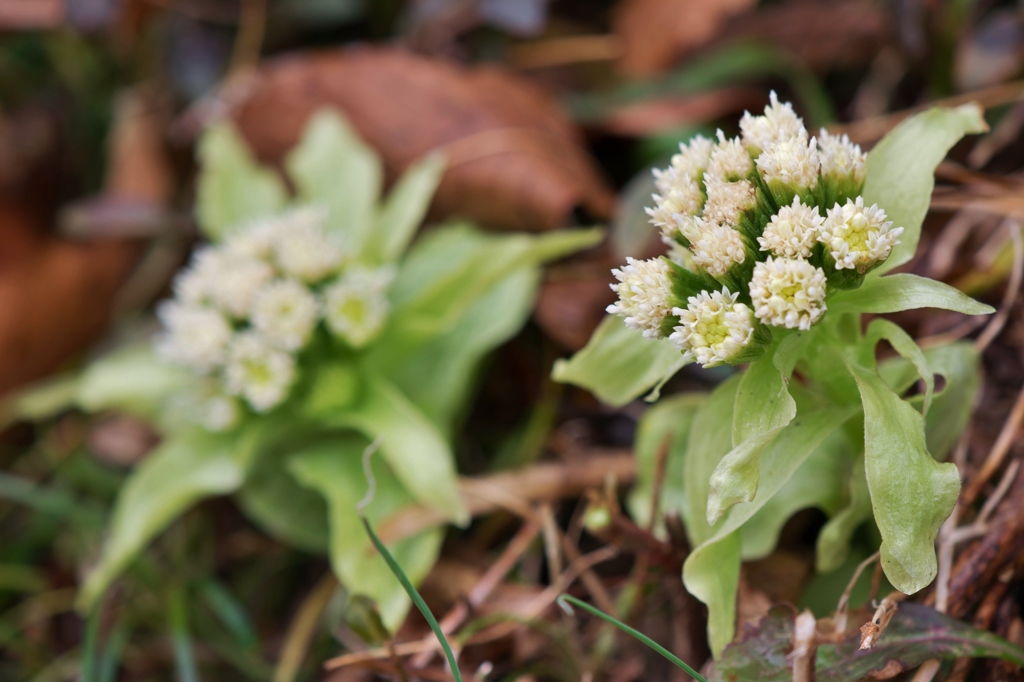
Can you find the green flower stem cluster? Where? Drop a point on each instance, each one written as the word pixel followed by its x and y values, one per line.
pixel 767 232
pixel 311 325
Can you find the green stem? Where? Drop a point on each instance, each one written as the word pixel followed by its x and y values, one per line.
pixel 565 598
pixel 416 598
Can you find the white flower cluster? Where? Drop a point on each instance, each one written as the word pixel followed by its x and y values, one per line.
pixel 244 309
pixel 749 215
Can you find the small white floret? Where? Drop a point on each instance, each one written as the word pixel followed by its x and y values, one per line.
pixel 303 249
pixel 858 237
pixel 356 306
pixel 779 123
pixel 717 248
pixel 840 158
pixel 644 291
pixel 680 196
pixel 727 201
pixel 693 157
pixel 713 328
pixel 256 240
pixel 193 336
pixel 258 372
pixel 792 232
pixel 788 293
pixel 792 162
pixel 730 160
pixel 285 312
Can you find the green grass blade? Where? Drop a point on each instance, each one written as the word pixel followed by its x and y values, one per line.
pixel 564 600
pixel 91 644
pixel 181 643
pixel 416 598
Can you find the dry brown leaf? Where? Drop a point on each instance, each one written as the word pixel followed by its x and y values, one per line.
pixel 55 295
pixel 515 160
pixel 655 33
pixel 569 309
pixel 655 115
pixel 31 14
pixel 820 35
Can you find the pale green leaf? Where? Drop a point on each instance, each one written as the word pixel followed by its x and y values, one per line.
pixel 911 493
pixel 900 172
pixel 272 499
pixel 405 207
pixel 783 458
pixel 904 291
pixel 184 469
pixel 44 399
pixel 618 364
pixel 833 546
pixel 334 469
pixel 958 364
pixel 447 272
pixel 412 445
pixel 763 408
pixel 131 379
pixel 669 423
pixel 334 169
pixel 903 344
pixel 710 439
pixel 439 374
pixel 713 577
pixel 232 189
pixel 779 462
pixel 817 484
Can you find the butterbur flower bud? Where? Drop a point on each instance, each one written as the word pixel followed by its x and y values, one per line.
pixel 728 201
pixel 779 123
pixel 843 167
pixel 356 306
pixel 285 312
pixel 303 249
pixel 857 238
pixel 257 240
pixel 840 158
pixel 236 282
pixel 792 232
pixel 788 293
pixel 714 328
pixel 717 248
pixel 193 336
pixel 790 168
pixel 645 291
pixel 258 372
pixel 693 157
pixel 729 160
pixel 680 196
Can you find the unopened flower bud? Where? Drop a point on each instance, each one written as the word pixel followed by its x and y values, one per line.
pixel 779 123
pixel 858 237
pixel 792 232
pixel 788 293
pixel 645 291
pixel 714 328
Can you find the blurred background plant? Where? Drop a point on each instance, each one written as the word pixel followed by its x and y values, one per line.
pixel 549 113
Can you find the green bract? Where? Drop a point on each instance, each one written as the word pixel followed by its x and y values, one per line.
pixel 311 325
pixel 775 254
